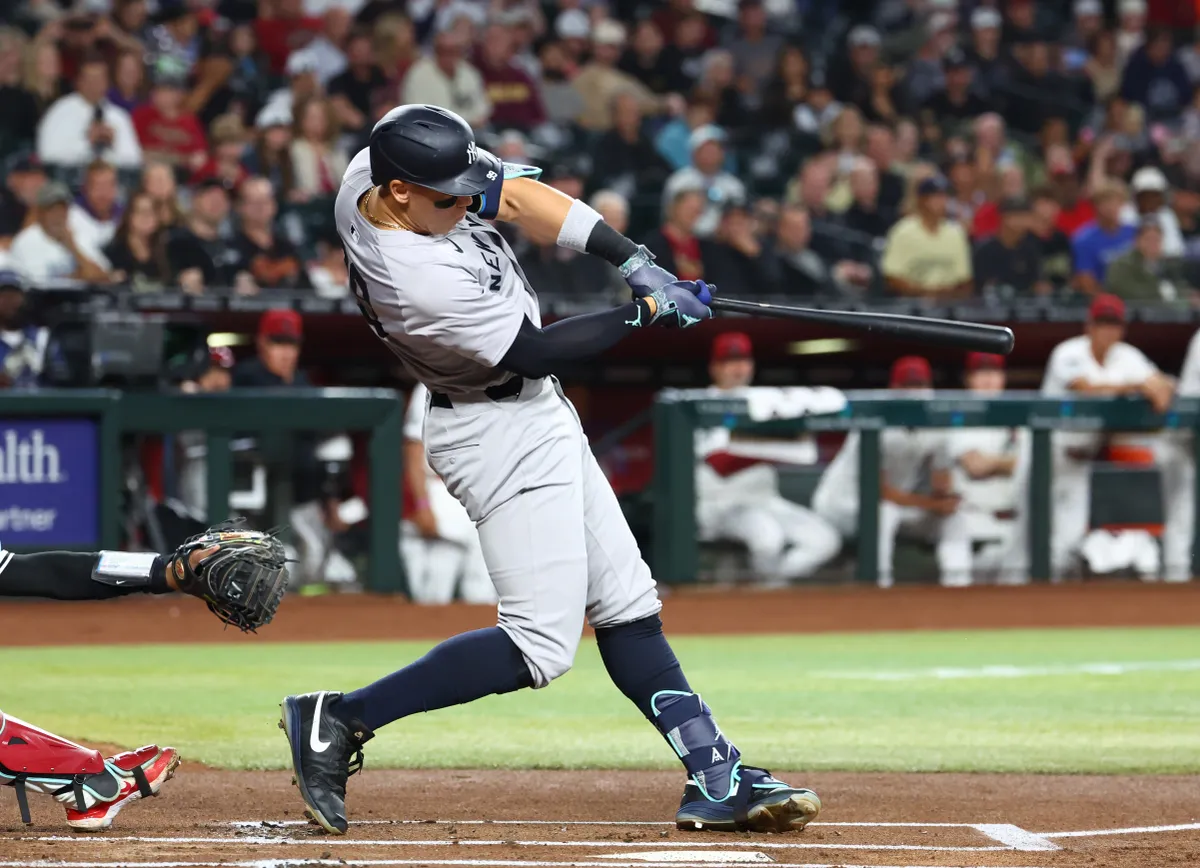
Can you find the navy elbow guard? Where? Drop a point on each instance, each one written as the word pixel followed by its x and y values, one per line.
pixel 487 203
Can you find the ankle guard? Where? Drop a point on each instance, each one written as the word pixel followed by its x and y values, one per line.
pixel 712 761
pixel 33 759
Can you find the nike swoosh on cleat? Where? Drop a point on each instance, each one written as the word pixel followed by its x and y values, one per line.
pixel 314 737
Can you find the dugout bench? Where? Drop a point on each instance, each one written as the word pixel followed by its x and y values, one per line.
pixel 678 413
pixel 272 413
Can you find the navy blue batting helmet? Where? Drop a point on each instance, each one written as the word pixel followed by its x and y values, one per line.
pixel 432 147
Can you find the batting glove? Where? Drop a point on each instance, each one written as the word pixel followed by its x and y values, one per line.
pixel 642 275
pixel 681 304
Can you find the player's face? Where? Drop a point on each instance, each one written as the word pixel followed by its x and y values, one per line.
pixel 732 373
pixel 1104 335
pixel 986 382
pixel 432 212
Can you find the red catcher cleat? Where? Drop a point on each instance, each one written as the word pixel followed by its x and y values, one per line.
pixel 138 773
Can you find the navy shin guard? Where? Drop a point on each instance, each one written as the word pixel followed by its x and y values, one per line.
pixel 712 760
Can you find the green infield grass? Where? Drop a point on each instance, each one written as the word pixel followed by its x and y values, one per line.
pixel 1109 701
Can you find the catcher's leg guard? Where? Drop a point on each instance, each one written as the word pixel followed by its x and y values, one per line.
pixel 33 759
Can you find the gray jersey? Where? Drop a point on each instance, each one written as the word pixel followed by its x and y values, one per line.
pixel 448 305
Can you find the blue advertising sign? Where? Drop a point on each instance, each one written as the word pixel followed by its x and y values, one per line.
pixel 49 482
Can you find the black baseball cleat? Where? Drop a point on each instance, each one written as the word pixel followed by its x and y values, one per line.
pixel 326 750
pixel 760 803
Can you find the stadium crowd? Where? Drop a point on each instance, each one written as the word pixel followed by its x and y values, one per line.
pixel 914 147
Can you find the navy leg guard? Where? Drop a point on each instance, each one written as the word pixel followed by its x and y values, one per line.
pixel 712 760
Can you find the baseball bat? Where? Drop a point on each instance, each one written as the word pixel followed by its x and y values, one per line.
pixel 943 332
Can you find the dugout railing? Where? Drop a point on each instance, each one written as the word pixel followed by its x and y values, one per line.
pixel 679 413
pixel 107 415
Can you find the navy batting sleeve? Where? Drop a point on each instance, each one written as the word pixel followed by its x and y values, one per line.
pixel 537 353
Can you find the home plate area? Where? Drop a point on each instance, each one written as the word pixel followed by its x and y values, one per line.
pixel 587 844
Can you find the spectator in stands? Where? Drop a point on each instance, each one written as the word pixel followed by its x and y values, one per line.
pixel 673 141
pixel 328 273
pixel 600 80
pixel 851 80
pixel 957 103
pixel 47 250
pixel 988 472
pixel 1054 245
pixel 138 251
pixel 325 53
pixel 18 197
pixel 737 491
pixel 647 61
pixel 1103 66
pixel 986 221
pixel 200 256
pixel 753 47
pixel 245 84
pixel 353 92
pixel 567 270
pixel 626 158
pixel 573 30
pixel 786 90
pixel 678 249
pixel 94 215
pixel 1096 363
pixel 707 172
pixel 1131 28
pixel 1009 264
pixel 42 76
pixel 563 101
pixel 790 265
pixel 269 258
pixel 449 80
pixel 906 455
pixel 733 260
pixel 927 255
pixel 1145 273
pixel 1150 189
pixel 865 215
pixel 84 126
pixel 281 27
pixel 18 108
pixel 226 161
pixel 1099 242
pixel 988 56
pixel 128 89
pixel 318 158
pixel 271 155
pixel 22 345
pixel 166 129
pixel 692 40
pixel 718 81
pixel 1155 79
pixel 1087 23
pixel 177 35
pixel 158 181
pixel 512 92
pixel 396 49
pixel 880 149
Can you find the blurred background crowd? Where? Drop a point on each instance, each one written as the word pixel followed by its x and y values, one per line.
pixel 990 151
pixel 789 146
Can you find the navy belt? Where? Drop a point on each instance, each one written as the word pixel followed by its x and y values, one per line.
pixel 510 388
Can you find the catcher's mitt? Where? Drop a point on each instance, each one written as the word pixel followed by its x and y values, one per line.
pixel 243 581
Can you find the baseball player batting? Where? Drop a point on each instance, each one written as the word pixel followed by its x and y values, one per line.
pixel 443 290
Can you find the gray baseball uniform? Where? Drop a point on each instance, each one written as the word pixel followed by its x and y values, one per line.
pixel 555 540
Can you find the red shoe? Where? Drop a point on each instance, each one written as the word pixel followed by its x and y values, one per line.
pixel 137 773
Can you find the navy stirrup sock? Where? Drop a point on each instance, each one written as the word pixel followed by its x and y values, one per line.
pixel 640 662
pixel 642 665
pixel 464 668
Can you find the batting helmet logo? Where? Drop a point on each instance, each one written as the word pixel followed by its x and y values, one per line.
pixel 472 152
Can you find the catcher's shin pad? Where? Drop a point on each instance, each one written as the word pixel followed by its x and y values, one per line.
pixel 244 581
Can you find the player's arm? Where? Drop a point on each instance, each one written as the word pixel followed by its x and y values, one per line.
pixel 83 575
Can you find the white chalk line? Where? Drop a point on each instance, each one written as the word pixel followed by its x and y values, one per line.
pixel 467 863
pixel 1136 830
pixel 460 842
pixel 267 824
pixel 947 673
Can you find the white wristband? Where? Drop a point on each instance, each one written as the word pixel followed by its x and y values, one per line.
pixel 577 228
